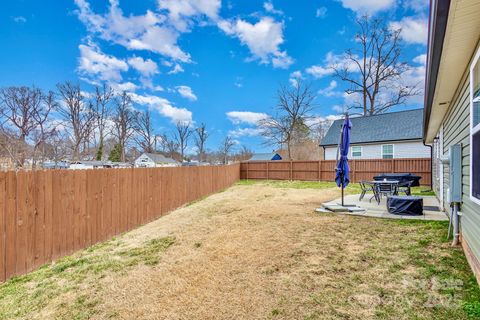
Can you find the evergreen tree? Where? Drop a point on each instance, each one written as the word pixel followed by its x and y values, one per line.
pixel 116 153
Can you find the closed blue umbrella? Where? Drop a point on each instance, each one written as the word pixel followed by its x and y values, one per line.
pixel 342 170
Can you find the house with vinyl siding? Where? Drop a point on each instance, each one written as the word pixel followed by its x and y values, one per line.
pixel 452 110
pixel 393 135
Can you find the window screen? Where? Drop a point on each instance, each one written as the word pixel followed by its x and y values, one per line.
pixel 387 151
pixel 356 151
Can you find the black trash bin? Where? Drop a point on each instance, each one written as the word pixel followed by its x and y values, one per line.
pixel 405 205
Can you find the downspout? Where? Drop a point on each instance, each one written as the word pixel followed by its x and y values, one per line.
pixel 431 164
pixel 456 225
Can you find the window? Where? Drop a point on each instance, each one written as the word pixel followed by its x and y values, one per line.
pixel 475 129
pixel 387 151
pixel 356 151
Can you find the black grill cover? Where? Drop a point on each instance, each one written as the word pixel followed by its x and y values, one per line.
pixel 402 178
pixel 405 205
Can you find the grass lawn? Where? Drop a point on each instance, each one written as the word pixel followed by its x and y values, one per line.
pixel 353 188
pixel 256 251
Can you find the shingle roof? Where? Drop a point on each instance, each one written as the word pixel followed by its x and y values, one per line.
pixel 403 125
pixel 159 158
pixel 264 156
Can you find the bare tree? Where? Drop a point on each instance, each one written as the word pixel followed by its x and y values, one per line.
pixel 169 146
pixel 201 136
pixel 77 114
pixel 243 154
pixel 181 135
pixel 226 147
pixel 145 137
pixel 103 110
pixel 374 71
pixel 292 112
pixel 45 128
pixel 25 115
pixel 123 121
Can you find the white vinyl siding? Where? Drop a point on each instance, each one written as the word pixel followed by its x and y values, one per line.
pixel 401 150
pixel 456 130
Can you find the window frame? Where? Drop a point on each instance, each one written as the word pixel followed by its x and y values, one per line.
pixel 361 152
pixel 473 129
pixel 393 151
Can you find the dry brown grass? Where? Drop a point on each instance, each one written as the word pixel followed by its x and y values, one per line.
pixel 259 252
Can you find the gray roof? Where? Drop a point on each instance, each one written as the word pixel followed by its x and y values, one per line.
pixel 159 158
pixel 263 156
pixel 393 126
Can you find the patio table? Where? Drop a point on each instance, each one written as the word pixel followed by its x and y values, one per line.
pixel 394 184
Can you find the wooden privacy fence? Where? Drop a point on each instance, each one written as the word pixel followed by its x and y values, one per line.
pixel 324 170
pixel 45 215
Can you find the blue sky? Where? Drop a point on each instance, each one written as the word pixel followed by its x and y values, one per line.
pixel 212 61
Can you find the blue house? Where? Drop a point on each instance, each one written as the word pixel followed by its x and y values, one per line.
pixel 265 157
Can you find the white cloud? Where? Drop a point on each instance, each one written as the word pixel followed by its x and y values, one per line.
pixel 319 71
pixel 321 12
pixel 421 59
pixel 330 90
pixel 294 77
pixel 245 132
pixel 146 67
pixel 367 6
pixel 180 11
pixel 262 38
pixel 93 62
pixel 176 69
pixel 268 6
pixel 186 92
pixel 237 117
pixel 126 86
pixel 331 60
pixel 416 5
pixel 164 107
pixel 338 108
pixel 20 19
pixel 143 32
pixel 414 30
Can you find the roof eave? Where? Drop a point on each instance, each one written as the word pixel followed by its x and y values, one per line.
pixel 436 34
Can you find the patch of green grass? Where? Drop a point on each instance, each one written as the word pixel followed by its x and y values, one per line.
pixel 443 266
pixel 30 293
pixel 149 252
pixel 353 188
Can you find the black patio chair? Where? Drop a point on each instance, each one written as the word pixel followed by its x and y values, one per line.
pixel 366 187
pixel 405 188
pixel 386 189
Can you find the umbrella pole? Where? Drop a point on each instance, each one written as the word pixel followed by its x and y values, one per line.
pixel 342 189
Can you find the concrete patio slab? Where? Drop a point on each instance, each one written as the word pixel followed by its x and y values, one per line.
pixel 374 210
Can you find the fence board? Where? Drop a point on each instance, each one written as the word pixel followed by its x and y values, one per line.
pixel 2 225
pixel 324 170
pixel 45 215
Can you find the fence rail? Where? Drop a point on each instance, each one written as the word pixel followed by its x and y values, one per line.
pixel 45 215
pixel 324 170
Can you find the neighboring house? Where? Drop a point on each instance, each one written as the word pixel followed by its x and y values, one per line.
pixel 152 160
pixel 55 165
pixel 393 135
pixel 84 164
pixel 452 109
pixel 265 157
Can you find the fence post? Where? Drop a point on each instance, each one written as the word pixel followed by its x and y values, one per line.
pixel 319 169
pixel 268 174
pixel 291 170
pixel 248 166
pixel 353 170
pixel 393 165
